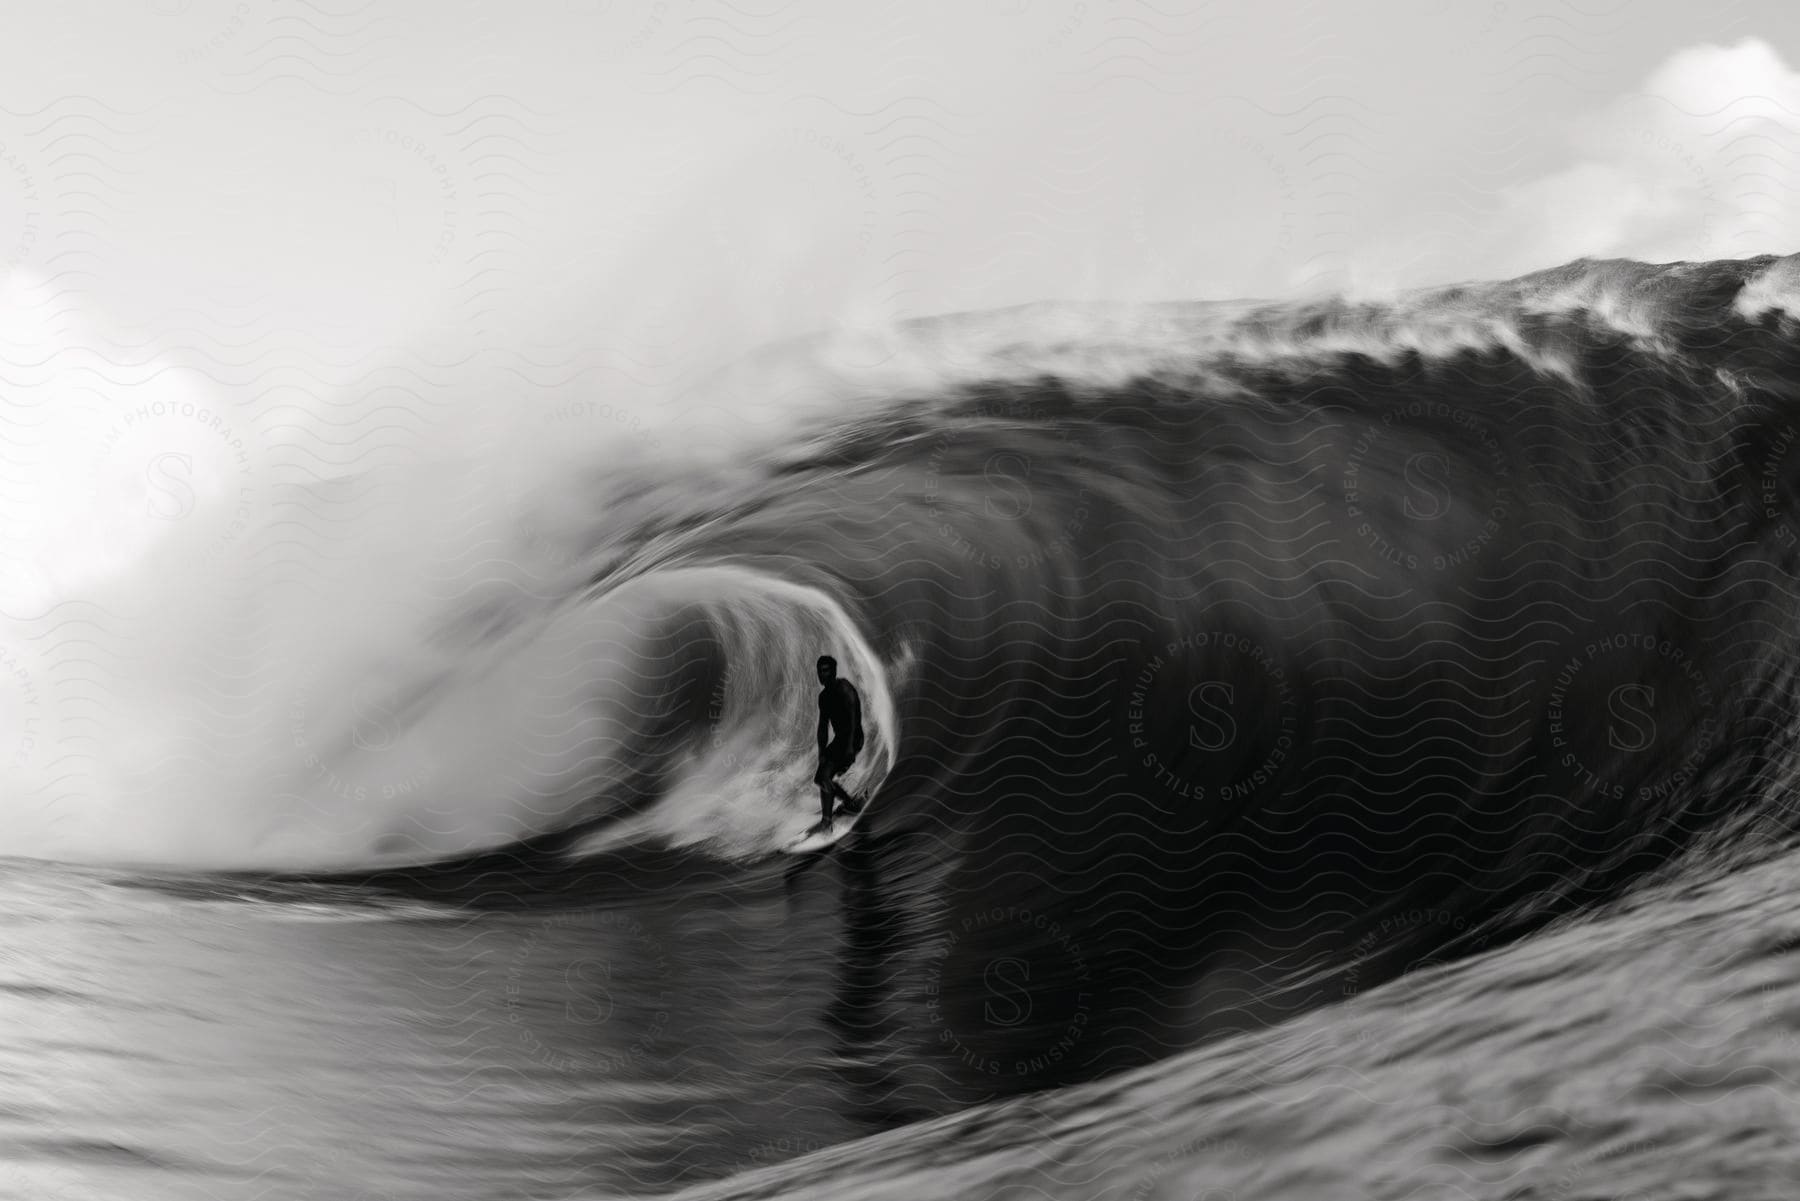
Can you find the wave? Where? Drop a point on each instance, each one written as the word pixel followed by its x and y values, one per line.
pixel 1211 649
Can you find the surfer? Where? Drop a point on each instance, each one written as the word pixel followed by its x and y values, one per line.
pixel 840 738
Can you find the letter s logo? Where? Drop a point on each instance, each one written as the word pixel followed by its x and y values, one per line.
pixel 1619 706
pixel 1214 729
pixel 171 498
pixel 1014 997
pixel 587 979
pixel 372 722
pixel 1429 475
pixel 1007 474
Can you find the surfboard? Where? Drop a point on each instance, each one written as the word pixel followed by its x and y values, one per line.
pixel 818 840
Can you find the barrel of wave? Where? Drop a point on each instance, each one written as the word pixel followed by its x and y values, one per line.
pixel 741 783
pixel 571 716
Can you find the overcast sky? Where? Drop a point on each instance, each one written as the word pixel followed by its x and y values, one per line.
pixel 356 164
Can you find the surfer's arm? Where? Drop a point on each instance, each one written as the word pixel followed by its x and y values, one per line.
pixel 824 734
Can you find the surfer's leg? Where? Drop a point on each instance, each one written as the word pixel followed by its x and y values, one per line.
pixel 851 804
pixel 822 778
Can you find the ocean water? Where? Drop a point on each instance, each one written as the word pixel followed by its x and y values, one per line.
pixel 188 1039
pixel 1316 749
pixel 1647 1051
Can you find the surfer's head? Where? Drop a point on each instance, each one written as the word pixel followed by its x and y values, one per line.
pixel 827 669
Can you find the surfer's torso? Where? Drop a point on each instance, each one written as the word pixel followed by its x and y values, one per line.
pixel 841 708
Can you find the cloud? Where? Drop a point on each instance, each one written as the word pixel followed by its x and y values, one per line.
pixel 1698 163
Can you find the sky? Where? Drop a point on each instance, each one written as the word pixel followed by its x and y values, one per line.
pixel 251 247
pixel 345 168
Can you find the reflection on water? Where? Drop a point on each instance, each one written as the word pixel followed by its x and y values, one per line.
pixel 516 1027
pixel 162 1046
